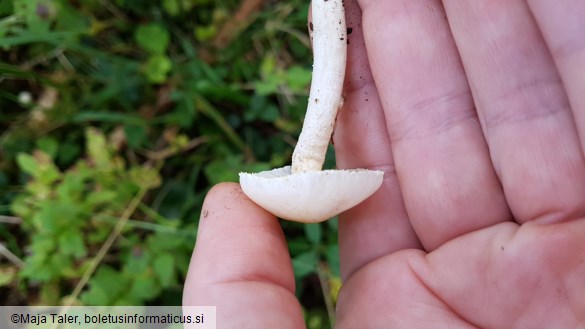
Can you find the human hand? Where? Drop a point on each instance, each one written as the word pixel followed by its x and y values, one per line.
pixel 479 123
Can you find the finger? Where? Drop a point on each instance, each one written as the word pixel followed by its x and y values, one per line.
pixel 523 108
pixel 379 225
pixel 562 24
pixel 241 264
pixel 442 161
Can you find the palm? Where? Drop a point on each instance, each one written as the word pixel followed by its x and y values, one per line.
pixel 504 276
pixel 476 112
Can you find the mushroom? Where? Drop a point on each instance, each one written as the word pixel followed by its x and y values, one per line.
pixel 304 192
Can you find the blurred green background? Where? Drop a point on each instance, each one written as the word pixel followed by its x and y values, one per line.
pixel 117 116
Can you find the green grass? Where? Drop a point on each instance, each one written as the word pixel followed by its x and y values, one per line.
pixel 176 90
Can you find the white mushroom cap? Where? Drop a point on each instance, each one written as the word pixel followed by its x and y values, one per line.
pixel 310 197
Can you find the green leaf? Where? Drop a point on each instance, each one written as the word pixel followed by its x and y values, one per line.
pixel 298 78
pixel 56 215
pixel 164 267
pixel 153 38
pixel 44 37
pixel 28 164
pixel 96 295
pixel 7 274
pixel 49 172
pixel 71 188
pixel 48 145
pixel 165 242
pixel 205 33
pixel 270 113
pixel 97 148
pixel 39 166
pixel 70 19
pixel 215 115
pixel 271 77
pixel 71 243
pixel 108 199
pixel 157 68
pixel 226 170
pixel 106 285
pixel 313 233
pixel 287 126
pixel 135 135
pixel 145 177
pixel 298 245
pixel 266 87
pixel 171 7
pixel 111 117
pixel 316 320
pixel 332 256
pixel 333 224
pixel 49 292
pixel 68 152
pixel 36 269
pixel 305 264
pixel 268 66
pixel 37 14
pixel 59 264
pixel 144 287
pixel 6 8
pixel 42 245
pixel 138 261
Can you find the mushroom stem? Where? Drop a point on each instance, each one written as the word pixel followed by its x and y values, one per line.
pixel 305 193
pixel 329 57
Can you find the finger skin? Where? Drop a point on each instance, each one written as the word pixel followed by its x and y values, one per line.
pixel 379 225
pixel 442 160
pixel 241 264
pixel 504 276
pixel 523 108
pixel 532 276
pixel 387 294
pixel 562 24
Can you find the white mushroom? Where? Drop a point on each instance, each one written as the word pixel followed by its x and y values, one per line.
pixel 303 192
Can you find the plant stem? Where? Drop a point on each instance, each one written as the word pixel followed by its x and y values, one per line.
pixel 329 57
pixel 323 273
pixel 10 220
pixel 10 256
